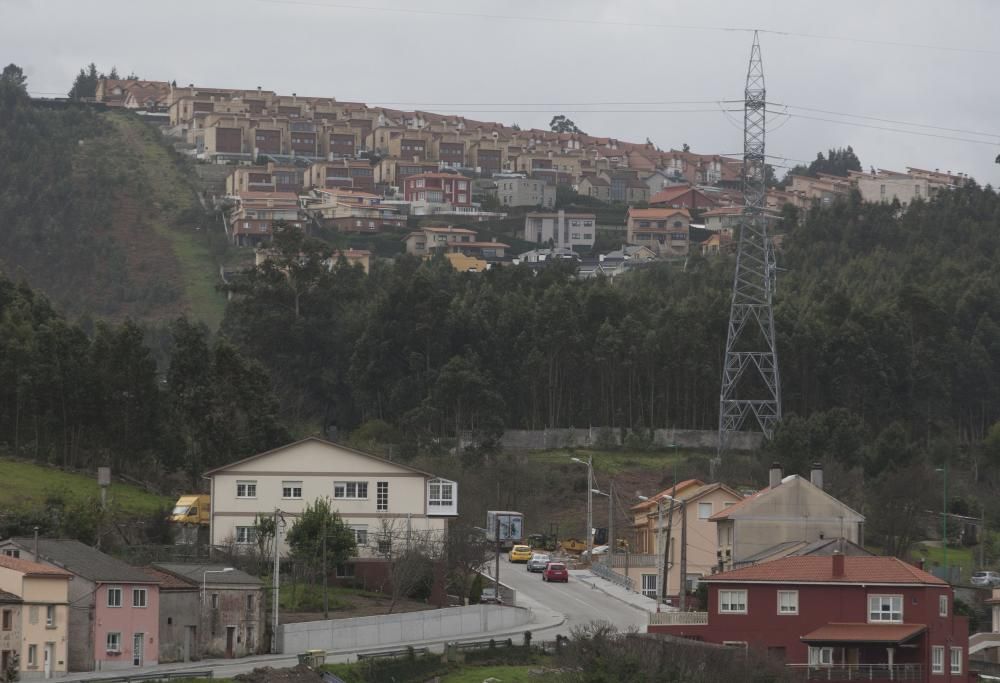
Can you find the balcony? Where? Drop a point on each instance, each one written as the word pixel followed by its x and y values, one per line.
pixel 860 672
pixel 679 619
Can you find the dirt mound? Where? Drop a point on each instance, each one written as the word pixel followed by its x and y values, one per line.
pixel 297 674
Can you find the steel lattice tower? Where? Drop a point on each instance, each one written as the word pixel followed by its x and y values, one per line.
pixel 750 381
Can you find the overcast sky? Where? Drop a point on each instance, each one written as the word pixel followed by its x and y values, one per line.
pixel 500 60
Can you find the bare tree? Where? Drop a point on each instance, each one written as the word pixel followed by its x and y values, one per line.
pixel 466 550
pixel 410 555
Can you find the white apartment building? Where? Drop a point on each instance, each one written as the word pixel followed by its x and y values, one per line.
pixel 379 499
pixel 563 229
pixel 516 190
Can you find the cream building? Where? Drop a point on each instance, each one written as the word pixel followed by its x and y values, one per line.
pixel 37 599
pixel 791 508
pixel 381 501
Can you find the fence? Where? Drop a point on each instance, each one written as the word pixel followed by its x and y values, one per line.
pixel 394 629
pixel 626 560
pixel 605 572
pixel 678 618
pixel 171 676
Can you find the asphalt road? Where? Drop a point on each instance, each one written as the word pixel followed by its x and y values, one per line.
pixel 577 601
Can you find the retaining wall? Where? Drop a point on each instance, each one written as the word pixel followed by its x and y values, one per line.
pixel 390 630
pixel 544 439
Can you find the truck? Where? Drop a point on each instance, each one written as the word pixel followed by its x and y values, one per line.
pixel 511 527
pixel 194 509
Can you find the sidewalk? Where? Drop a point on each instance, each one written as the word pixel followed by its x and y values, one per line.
pixel 630 598
pixel 542 619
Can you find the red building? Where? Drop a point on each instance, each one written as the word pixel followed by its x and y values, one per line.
pixel 439 188
pixel 835 618
pixel 682 197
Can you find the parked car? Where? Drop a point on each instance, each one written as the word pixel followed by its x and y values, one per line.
pixel 537 562
pixel 489 596
pixel 555 571
pixel 520 553
pixel 985 578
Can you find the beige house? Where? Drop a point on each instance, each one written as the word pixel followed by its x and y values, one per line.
pixel 515 190
pixel 34 605
pixel 693 503
pixel 790 509
pixel 667 232
pixel 382 501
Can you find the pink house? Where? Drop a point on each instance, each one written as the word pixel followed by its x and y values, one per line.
pixel 114 623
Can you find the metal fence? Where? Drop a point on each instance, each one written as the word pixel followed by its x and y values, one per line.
pixel 605 572
pixel 861 672
pixel 678 618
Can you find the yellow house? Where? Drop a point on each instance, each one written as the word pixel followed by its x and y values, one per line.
pixel 34 617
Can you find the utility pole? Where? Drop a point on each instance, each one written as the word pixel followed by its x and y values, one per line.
pixel 982 540
pixel 751 387
pixel 276 581
pixel 326 590
pixel 496 576
pixel 611 522
pixel 660 548
pixel 684 557
pixel 590 508
pixel 666 551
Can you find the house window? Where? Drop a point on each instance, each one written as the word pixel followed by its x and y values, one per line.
pixel 820 656
pixel 10 552
pixel 885 608
pixel 788 602
pixel 138 597
pixel 50 616
pixel 943 605
pixel 291 489
pixel 704 510
pixel 956 660
pixel 937 659
pixel 360 534
pixel 246 535
pixel 385 545
pixel 441 494
pixel 246 489
pixel 114 642
pixel 649 587
pixel 250 602
pixel 740 644
pixel 353 490
pixel 215 601
pixel 33 655
pixel 733 602
pixel 382 495
pixel 345 570
pixel 114 597
pixel 7 619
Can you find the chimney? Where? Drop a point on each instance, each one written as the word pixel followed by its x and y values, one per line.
pixel 838 564
pixel 816 475
pixel 774 475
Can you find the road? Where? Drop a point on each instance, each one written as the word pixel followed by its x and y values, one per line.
pixel 577 601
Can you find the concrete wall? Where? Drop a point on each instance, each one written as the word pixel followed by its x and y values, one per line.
pixel 392 630
pixel 542 439
pixel 179 613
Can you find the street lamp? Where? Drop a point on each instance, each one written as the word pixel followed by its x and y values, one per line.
pixel 611 518
pixel 944 519
pixel 590 502
pixel 204 578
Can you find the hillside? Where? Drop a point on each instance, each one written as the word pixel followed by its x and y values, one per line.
pixel 101 216
pixel 27 485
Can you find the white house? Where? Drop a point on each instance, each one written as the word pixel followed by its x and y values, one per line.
pixel 382 501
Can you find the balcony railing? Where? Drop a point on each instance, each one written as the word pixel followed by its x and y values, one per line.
pixel 861 672
pixel 614 577
pixel 678 618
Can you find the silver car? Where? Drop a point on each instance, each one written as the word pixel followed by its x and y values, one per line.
pixel 985 578
pixel 537 562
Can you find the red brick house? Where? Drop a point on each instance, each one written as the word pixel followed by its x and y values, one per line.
pixel 439 188
pixel 835 618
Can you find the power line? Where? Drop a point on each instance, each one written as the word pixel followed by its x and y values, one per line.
pixel 896 130
pixel 380 103
pixel 885 120
pixel 629 24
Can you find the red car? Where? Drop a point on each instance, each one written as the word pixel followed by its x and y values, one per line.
pixel 555 571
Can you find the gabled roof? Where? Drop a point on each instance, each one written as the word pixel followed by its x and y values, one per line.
pixel 673 491
pixel 669 194
pixel 196 573
pixel 818 569
pixel 8 598
pixel 320 441
pixel 33 569
pixel 791 480
pixel 665 212
pixel 167 581
pixel 82 560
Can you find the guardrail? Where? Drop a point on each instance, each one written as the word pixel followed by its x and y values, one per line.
pixel 164 676
pixel 679 618
pixel 635 560
pixel 393 654
pixel 605 572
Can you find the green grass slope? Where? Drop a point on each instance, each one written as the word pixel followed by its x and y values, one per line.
pixel 28 485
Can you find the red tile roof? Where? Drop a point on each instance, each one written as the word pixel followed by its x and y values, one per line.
pixel 670 193
pixel 725 512
pixel 656 213
pixel 672 491
pixel 864 633
pixel 168 581
pixel 818 569
pixel 30 568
